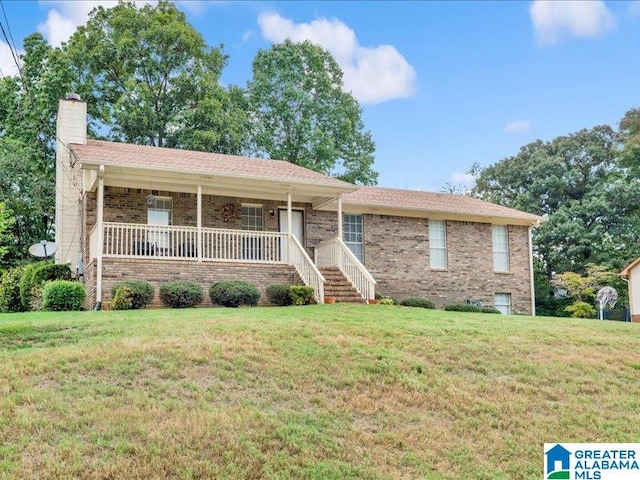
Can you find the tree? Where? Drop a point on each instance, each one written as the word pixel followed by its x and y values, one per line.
pixel 575 181
pixel 630 133
pixel 7 239
pixel 28 107
pixel 303 115
pixel 150 78
pixel 582 289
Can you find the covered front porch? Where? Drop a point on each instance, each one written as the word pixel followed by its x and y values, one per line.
pixel 138 215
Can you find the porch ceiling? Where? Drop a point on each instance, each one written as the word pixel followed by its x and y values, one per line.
pixel 232 186
pixel 175 170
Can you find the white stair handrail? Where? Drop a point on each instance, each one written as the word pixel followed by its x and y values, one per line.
pixel 335 253
pixel 307 270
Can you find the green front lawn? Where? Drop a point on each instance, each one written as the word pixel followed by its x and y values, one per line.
pixel 319 392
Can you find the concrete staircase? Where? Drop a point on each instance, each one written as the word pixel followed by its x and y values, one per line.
pixel 338 286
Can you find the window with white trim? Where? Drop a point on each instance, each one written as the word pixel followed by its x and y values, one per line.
pixel 252 217
pixel 500 238
pixel 352 234
pixel 502 302
pixel 160 211
pixel 437 244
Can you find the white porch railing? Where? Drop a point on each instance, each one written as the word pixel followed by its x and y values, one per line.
pixel 334 253
pixel 309 273
pixel 218 244
pixel 132 240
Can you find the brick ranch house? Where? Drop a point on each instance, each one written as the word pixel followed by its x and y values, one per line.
pixel 156 214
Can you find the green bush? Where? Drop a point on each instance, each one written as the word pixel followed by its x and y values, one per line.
pixel 470 307
pixel 279 295
pixel 35 274
pixel 490 310
pixel 581 309
pixel 387 301
pixel 122 298
pixel 27 282
pixel 418 302
pixel 234 293
pixel 63 295
pixel 181 294
pixel 302 295
pixel 463 307
pixel 10 291
pixel 136 294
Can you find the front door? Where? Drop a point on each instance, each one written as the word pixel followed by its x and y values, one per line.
pixel 297 227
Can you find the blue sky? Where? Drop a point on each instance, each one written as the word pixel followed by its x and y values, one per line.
pixel 441 84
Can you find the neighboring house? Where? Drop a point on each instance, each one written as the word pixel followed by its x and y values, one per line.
pixel 129 211
pixel 632 272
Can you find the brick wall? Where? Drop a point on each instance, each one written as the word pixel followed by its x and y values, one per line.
pixel 396 252
pixel 206 273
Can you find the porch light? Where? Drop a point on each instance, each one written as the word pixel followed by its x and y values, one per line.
pixel 151 199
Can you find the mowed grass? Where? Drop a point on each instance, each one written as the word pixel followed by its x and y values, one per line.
pixel 318 392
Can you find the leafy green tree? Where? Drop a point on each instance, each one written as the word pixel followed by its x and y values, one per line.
pixel 150 78
pixel 302 114
pixel 28 108
pixel 7 238
pixel 629 128
pixel 582 288
pixel 591 207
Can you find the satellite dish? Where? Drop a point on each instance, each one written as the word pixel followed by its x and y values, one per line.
pixel 43 249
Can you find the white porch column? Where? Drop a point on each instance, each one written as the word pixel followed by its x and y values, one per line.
pixel 340 216
pixel 199 224
pixel 533 289
pixel 289 216
pixel 100 227
pixel 289 221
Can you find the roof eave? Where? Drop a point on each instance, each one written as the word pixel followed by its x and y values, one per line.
pixel 334 188
pixel 351 207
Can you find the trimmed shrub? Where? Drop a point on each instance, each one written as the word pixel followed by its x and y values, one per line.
pixel 63 295
pixel 234 293
pixel 34 275
pixel 463 307
pixel 490 310
pixel 10 291
pixel 580 309
pixel 136 294
pixel 181 294
pixel 122 298
pixel 27 282
pixel 302 295
pixel 418 302
pixel 387 301
pixel 279 295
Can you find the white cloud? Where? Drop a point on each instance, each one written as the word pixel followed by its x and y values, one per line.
pixel 463 179
pixel 517 126
pixel 8 66
pixel 372 74
pixel 554 20
pixel 67 15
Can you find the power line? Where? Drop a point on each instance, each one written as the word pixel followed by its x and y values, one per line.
pixel 8 27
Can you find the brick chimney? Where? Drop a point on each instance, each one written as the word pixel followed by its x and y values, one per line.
pixel 71 127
